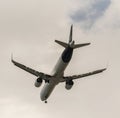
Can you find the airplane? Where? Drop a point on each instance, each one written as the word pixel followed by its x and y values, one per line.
pixel 57 75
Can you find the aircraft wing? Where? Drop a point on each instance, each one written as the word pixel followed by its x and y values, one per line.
pixel 67 78
pixel 32 71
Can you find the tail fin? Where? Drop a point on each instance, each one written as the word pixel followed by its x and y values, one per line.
pixel 71 42
pixel 70 36
pixel 70 39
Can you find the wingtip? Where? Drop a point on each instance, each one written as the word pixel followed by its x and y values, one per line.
pixel 104 69
pixel 88 43
pixel 56 40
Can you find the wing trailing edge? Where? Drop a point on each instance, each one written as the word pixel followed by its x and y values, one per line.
pixel 83 75
pixel 44 76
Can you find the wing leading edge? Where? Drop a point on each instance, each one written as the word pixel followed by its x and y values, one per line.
pixel 32 71
pixel 47 77
pixel 67 78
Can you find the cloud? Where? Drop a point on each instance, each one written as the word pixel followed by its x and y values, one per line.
pixel 89 15
pixel 111 19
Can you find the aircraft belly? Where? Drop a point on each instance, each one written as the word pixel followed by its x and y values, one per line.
pixel 47 90
pixel 59 68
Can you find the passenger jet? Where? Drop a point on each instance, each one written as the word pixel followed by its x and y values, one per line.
pixel 57 75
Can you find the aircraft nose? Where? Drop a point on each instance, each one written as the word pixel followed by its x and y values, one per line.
pixel 43 98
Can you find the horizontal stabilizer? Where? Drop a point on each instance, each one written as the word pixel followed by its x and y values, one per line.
pixel 80 45
pixel 61 43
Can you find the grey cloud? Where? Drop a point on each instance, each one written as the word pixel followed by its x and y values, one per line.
pixel 88 16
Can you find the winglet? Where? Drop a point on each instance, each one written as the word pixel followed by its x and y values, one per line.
pixel 12 58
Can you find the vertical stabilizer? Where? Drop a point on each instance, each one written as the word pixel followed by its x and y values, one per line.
pixel 71 30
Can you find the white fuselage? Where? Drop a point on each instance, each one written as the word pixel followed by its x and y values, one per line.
pixel 57 74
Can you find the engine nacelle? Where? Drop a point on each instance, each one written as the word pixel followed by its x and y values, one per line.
pixel 38 82
pixel 69 84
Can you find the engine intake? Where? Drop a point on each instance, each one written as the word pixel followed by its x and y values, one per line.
pixel 38 82
pixel 69 84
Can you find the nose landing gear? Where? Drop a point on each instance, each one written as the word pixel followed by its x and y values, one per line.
pixel 45 101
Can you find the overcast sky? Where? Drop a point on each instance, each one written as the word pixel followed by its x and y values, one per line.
pixel 28 29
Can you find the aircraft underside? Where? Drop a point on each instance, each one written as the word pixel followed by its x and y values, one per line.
pixel 57 75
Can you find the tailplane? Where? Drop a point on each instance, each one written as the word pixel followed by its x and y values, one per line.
pixel 80 45
pixel 65 45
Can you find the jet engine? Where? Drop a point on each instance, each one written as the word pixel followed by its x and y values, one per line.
pixel 38 82
pixel 69 84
